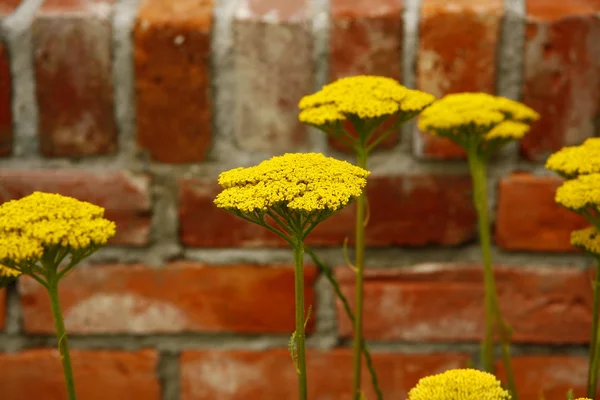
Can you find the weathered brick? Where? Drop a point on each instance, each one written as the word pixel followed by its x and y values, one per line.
pixel 457 53
pixel 125 197
pixel 74 88
pixel 182 297
pixel 548 377
pixel 366 38
pixel 239 374
pixel 562 74
pixel 9 6
pixel 172 68
pixel 444 302
pixel 528 218
pixel 2 308
pixel 36 374
pixel 273 69
pixel 6 135
pixel 409 210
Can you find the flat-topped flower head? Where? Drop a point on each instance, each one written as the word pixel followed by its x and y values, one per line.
pixel 7 275
pixel 300 182
pixel 459 384
pixel 587 239
pixel 363 97
pixel 572 161
pixel 39 221
pixel 481 116
pixel 580 193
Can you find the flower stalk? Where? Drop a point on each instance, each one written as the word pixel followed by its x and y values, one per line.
pixel 594 357
pixel 300 336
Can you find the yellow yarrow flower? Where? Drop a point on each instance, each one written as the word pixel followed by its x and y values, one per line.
pixel 580 192
pixel 508 130
pixel 586 239
pixel 301 182
pixel 459 384
pixel 362 96
pixel 30 225
pixel 7 275
pixel 576 160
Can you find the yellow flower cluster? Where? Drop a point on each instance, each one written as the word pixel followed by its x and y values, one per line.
pixel 301 182
pixel 572 161
pixel 459 384
pixel 41 220
pixel 363 96
pixel 581 192
pixel 482 114
pixel 7 275
pixel 587 239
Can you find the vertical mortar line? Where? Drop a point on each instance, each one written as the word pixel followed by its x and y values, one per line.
pixel 168 372
pixel 16 32
pixel 320 25
pixel 223 80
pixel 13 323
pixel 410 47
pixel 123 74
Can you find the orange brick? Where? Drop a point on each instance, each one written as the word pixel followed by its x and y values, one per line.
pixel 172 79
pixel 37 374
pixel 125 197
pixel 444 302
pixel 239 374
pixel 528 218
pixel 457 53
pixel 182 297
pixel 6 135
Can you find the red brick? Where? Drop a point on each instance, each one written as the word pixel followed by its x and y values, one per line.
pixel 548 377
pixel 36 374
pixel 125 197
pixel 457 53
pixel 397 210
pixel 239 374
pixel 444 302
pixel 528 218
pixel 182 297
pixel 5 104
pixel 272 46
pixel 8 6
pixel 562 74
pixel 2 308
pixel 366 38
pixel 172 69
pixel 74 89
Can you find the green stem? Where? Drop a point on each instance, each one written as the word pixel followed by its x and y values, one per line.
pixel 300 318
pixel 594 348
pixel 493 317
pixel 360 261
pixel 61 335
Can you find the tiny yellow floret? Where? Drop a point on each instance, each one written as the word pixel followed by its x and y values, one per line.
pixel 301 182
pixel 587 239
pixel 508 130
pixel 459 384
pixel 576 160
pixel 7 275
pixel 363 96
pixel 579 193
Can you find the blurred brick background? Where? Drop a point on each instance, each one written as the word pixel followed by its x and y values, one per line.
pixel 138 105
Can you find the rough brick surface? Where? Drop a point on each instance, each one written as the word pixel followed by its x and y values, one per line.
pixel 8 6
pixel 444 302
pixel 125 197
pixel 36 374
pixel 223 375
pixel 528 218
pixel 457 53
pixel 5 104
pixel 74 89
pixel 172 69
pixel 548 377
pixel 562 74
pixel 273 70
pixel 405 210
pixel 182 297
pixel 2 308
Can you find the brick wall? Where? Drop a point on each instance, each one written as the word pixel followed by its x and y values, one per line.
pixel 137 106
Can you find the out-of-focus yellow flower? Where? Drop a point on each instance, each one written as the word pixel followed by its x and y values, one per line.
pixel 42 220
pixel 587 239
pixel 459 384
pixel 7 275
pixel 301 182
pixel 579 193
pixel 363 96
pixel 480 115
pixel 576 160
